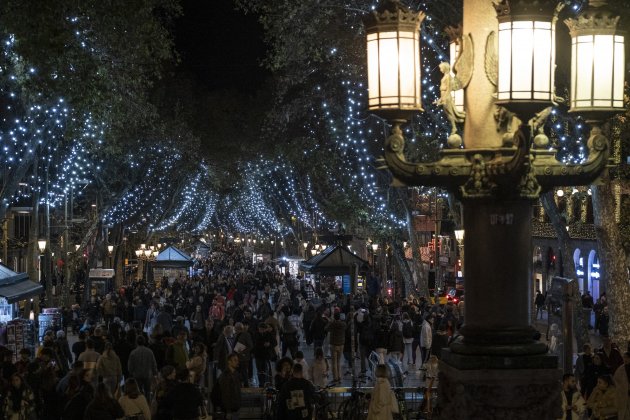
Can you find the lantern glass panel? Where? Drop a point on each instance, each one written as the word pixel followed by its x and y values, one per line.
pixel 619 70
pixel 522 59
pixel 407 67
pixel 393 70
pixel 602 69
pixel 372 54
pixel 543 60
pixel 526 56
pixel 388 66
pixel 458 95
pixel 597 67
pixel 505 62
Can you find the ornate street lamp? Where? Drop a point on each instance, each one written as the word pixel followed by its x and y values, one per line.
pixel 506 67
pixel 41 244
pixel 459 237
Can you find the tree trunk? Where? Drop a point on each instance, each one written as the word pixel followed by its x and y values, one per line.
pixel 612 261
pixel 420 279
pixel 568 267
pixel 33 247
pixel 405 270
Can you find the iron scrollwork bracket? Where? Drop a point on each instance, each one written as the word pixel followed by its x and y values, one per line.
pixel 524 170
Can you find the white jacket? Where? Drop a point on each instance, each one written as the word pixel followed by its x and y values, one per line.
pixel 578 401
pixel 383 403
pixel 426 335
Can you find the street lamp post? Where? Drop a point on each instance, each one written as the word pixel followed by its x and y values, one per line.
pixel 495 368
pixel 374 247
pixel 41 244
pixel 459 236
pixel 110 250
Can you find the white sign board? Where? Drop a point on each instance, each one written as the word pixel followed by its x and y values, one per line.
pixel 102 273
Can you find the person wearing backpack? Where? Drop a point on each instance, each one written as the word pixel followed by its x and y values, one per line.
pixel 407 333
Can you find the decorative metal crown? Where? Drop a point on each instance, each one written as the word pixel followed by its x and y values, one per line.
pixel 393 13
pixel 507 8
pixel 597 17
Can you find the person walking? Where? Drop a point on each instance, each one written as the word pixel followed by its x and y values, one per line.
pixel 296 397
pixel 184 401
pixel 318 329
pixel 19 402
pixel 176 352
pixel 109 369
pixel 89 358
pixel 407 332
pixel 602 401
pixel 264 352
pixel 133 402
pixel 584 364
pixel 539 301
pixel 364 329
pixel 230 385
pixel 426 339
pixel 573 405
pixel 289 337
pixel 103 406
pixel 383 403
pixel 142 366
pixel 244 346
pixel 337 331
pixel 197 364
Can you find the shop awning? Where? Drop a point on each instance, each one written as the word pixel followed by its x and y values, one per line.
pixel 15 287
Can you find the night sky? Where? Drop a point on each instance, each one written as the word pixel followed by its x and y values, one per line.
pixel 220 45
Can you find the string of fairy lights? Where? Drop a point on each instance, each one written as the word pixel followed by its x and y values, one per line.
pixel 273 195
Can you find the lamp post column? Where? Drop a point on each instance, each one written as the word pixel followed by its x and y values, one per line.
pixel 498 296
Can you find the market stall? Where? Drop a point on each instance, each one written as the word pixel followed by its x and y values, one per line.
pixel 16 333
pixel 170 263
pixel 15 287
pixel 339 265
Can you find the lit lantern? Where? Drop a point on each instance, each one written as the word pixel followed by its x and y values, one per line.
pixel 526 55
pixel 597 62
pixel 393 53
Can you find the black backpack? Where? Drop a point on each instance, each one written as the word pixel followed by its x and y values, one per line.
pixel 407 330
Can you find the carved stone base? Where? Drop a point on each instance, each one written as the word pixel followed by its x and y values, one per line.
pixel 493 394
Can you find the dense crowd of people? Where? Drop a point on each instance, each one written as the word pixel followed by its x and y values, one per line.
pixel 157 351
pixel 151 351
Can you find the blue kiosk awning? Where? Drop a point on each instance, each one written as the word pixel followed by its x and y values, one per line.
pixel 172 257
